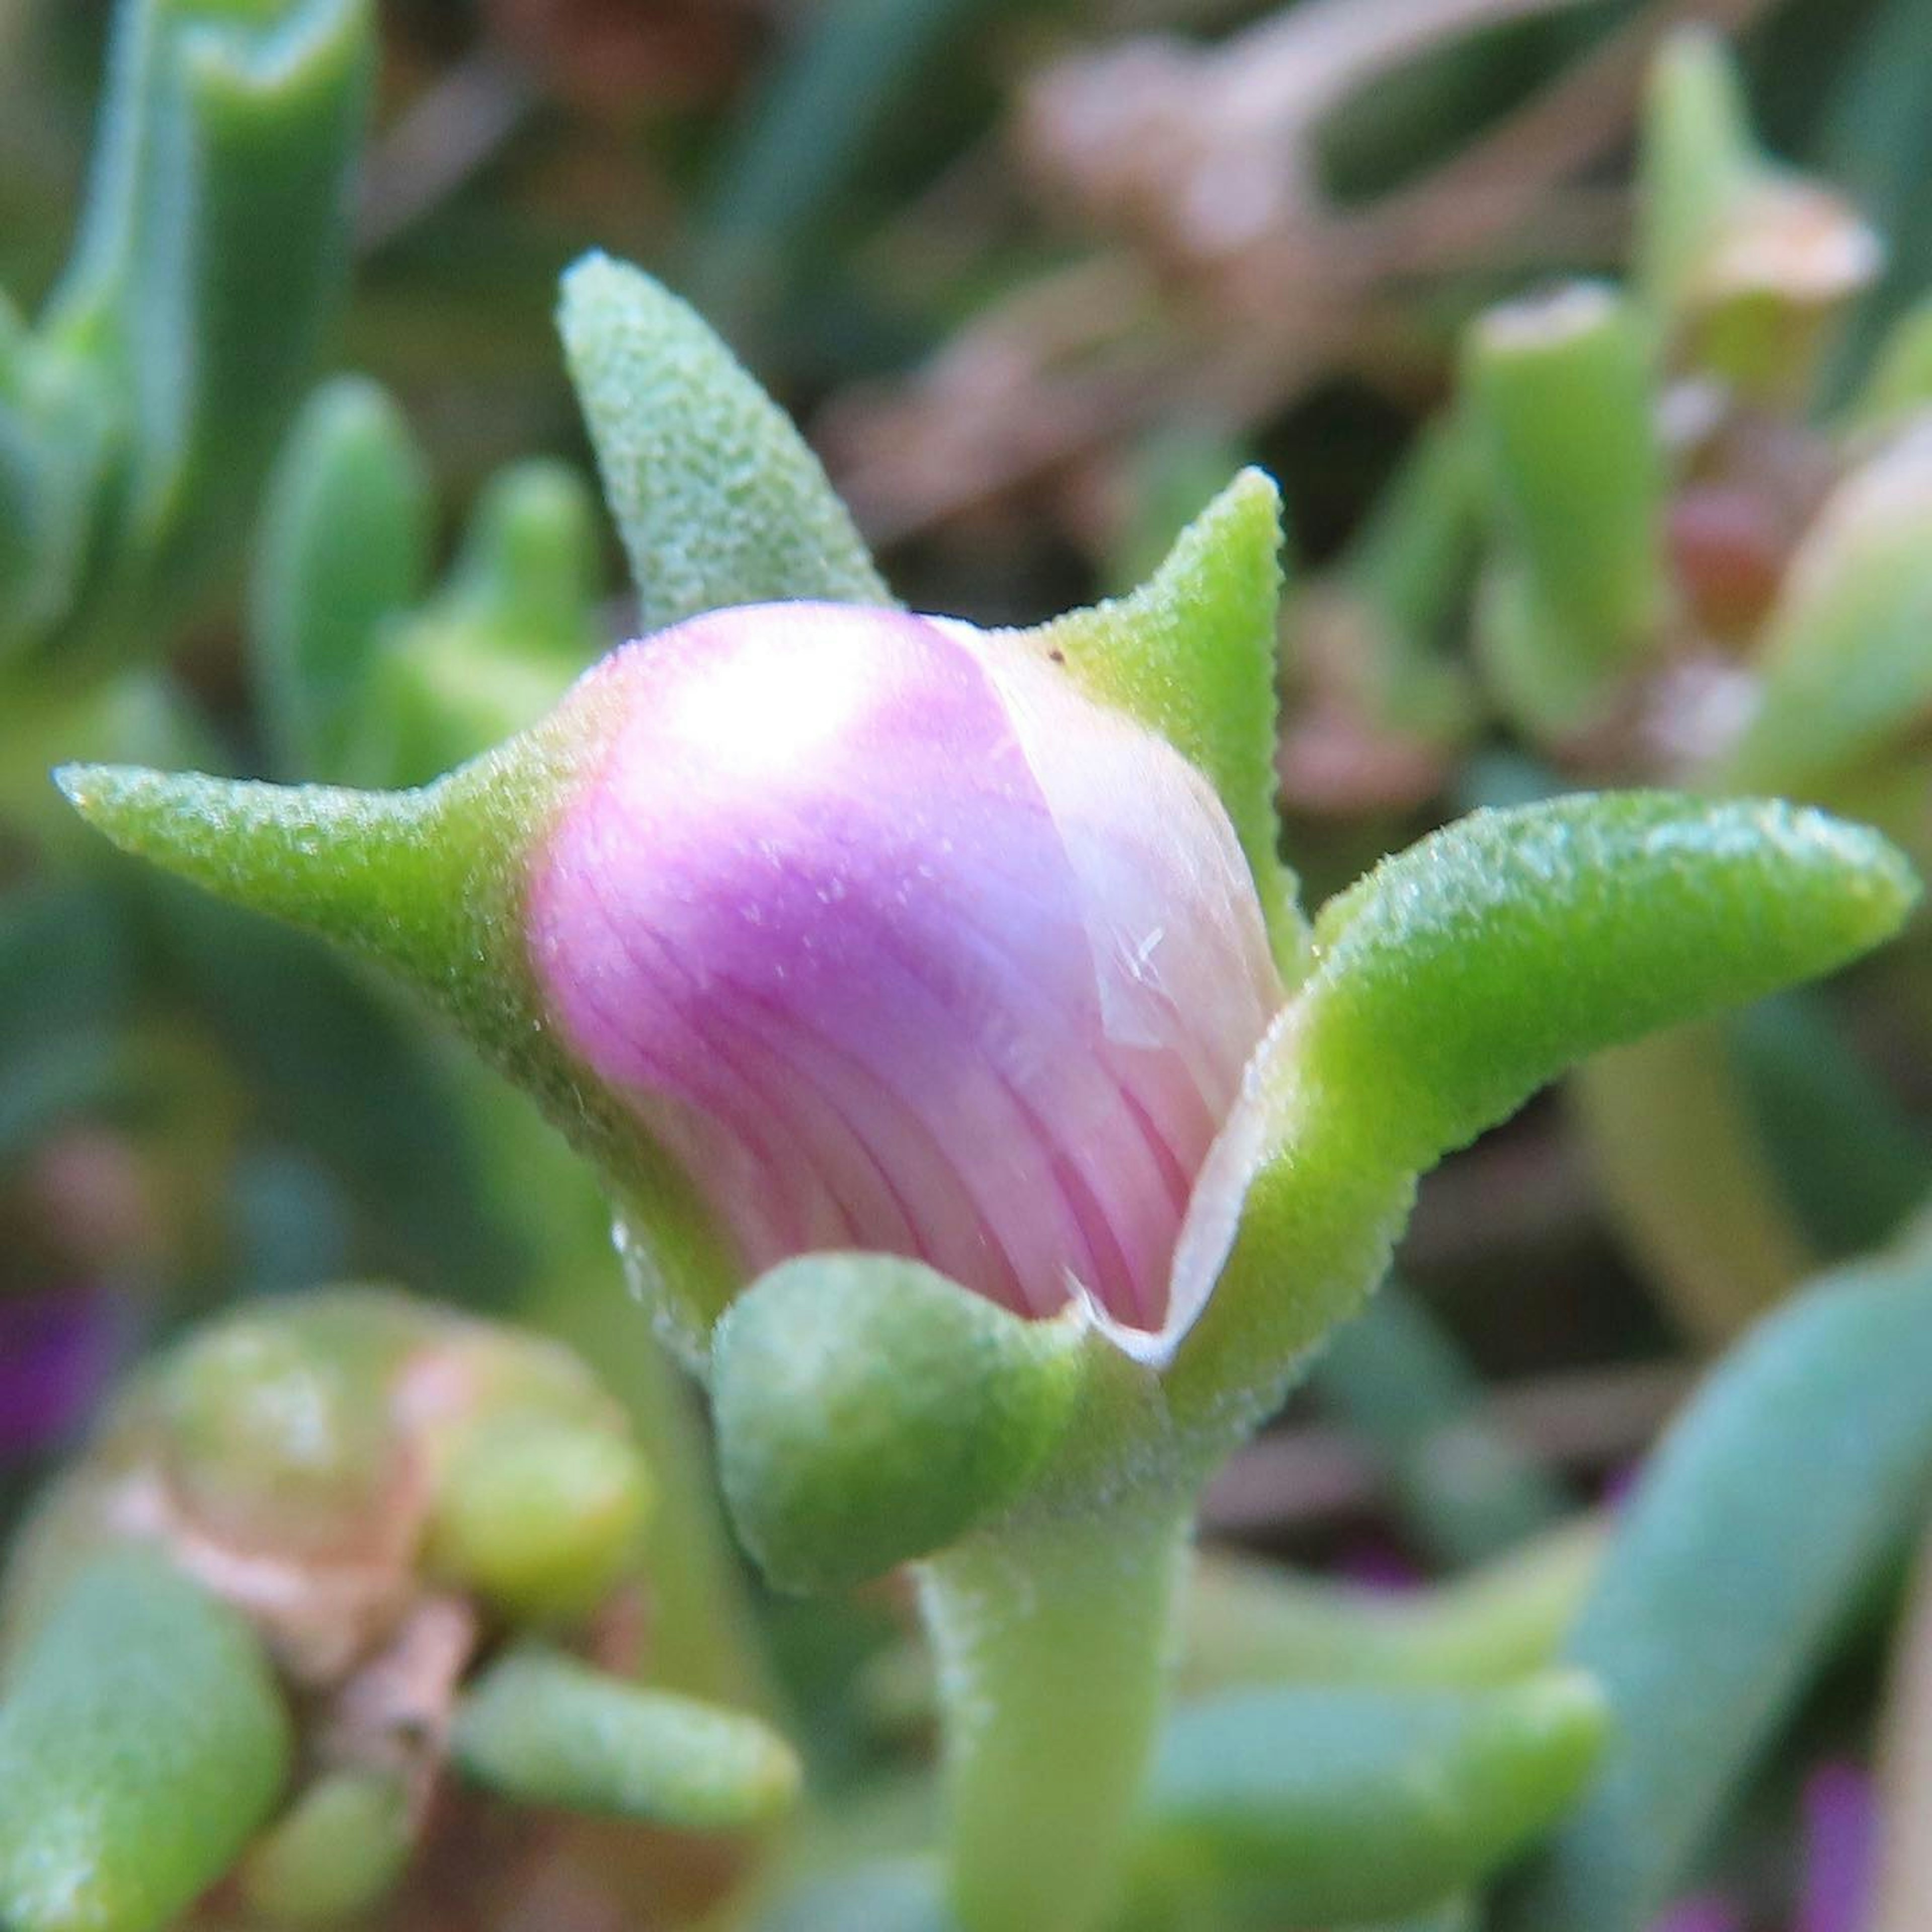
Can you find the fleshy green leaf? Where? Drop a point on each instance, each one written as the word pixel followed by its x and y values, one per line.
pixel 1192 654
pixel 495 649
pixel 141 1742
pixel 338 1851
pixel 345 546
pixel 1311 1806
pixel 1558 395
pixel 1801 1470
pixel 214 247
pixel 1740 260
pixel 717 498
pixel 869 1410
pixel 1461 975
pixel 543 1729
pixel 1844 672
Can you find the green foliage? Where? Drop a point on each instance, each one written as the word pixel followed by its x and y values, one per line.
pixel 1319 1806
pixel 869 1410
pixel 1798 1474
pixel 345 548
pixel 141 1742
pixel 336 1853
pixel 543 1729
pixel 136 422
pixel 1558 394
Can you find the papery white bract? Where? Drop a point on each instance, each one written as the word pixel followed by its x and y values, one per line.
pixel 901 943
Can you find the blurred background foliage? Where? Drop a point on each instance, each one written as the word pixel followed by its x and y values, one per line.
pixel 1033 278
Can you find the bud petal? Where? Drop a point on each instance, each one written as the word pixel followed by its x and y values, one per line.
pixel 900 942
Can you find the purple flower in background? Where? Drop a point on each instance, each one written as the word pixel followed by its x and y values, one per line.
pixel 58 1350
pixel 1840 1850
pixel 1707 1913
pixel 901 943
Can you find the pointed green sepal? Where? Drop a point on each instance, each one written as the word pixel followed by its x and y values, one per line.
pixel 1311 1806
pixel 143 1741
pixel 542 1728
pixel 1193 655
pixel 717 497
pixel 1558 391
pixel 1465 973
pixel 870 1412
pixel 336 1853
pixel 429 884
pixel 345 548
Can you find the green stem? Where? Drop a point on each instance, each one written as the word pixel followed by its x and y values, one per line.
pixel 1052 1635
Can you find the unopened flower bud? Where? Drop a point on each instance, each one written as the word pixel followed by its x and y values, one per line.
pixel 901 944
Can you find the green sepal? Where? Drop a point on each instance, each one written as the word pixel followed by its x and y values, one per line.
pixel 1465 973
pixel 214 247
pixel 1844 674
pixel 345 548
pixel 428 883
pixel 1192 654
pixel 1800 1472
pixel 716 497
pixel 143 1741
pixel 541 1728
pixel 336 1853
pixel 870 1412
pixel 1312 1806
pixel 1558 396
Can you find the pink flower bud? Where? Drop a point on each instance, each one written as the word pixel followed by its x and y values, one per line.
pixel 901 943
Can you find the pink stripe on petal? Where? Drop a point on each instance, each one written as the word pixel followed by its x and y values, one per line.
pixel 899 939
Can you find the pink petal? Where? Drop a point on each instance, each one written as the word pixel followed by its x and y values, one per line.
pixel 900 942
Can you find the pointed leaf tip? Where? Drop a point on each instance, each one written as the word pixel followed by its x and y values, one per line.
pixel 717 498
pixel 1192 654
pixel 1462 974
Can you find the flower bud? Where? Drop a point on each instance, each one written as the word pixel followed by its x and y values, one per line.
pixel 901 943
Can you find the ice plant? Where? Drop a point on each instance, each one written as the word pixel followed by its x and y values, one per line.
pixel 983 1116
pixel 899 942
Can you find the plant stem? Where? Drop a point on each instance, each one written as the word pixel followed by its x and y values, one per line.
pixel 1052 1636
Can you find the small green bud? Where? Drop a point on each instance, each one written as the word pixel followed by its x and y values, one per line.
pixel 870 1412
pixel 539 1514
